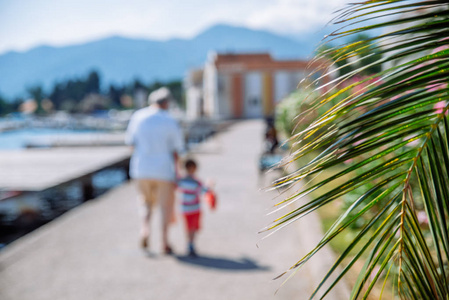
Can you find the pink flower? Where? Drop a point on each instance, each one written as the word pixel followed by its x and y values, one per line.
pixel 436 86
pixel 360 88
pixel 439 107
pixel 422 217
pixel 359 142
pixel 441 48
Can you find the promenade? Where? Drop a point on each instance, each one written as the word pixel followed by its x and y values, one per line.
pixel 92 251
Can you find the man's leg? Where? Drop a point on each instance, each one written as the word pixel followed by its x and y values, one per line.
pixel 167 198
pixel 146 198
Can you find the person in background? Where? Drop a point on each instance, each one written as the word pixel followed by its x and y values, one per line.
pixel 157 142
pixel 190 190
pixel 271 139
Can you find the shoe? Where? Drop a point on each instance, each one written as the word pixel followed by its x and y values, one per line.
pixel 168 250
pixel 144 242
pixel 192 253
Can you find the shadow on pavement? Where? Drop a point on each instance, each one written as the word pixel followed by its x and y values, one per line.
pixel 243 264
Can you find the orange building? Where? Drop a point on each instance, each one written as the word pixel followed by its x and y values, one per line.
pixel 243 85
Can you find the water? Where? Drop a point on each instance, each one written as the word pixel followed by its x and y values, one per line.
pixel 23 213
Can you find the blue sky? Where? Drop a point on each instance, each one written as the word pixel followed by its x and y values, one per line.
pixel 28 23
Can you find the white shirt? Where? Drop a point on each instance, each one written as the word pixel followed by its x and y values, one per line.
pixel 156 136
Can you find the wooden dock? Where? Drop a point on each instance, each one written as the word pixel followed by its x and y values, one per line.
pixel 39 169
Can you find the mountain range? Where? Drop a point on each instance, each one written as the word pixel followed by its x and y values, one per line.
pixel 120 60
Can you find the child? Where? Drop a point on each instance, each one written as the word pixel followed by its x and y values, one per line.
pixel 190 190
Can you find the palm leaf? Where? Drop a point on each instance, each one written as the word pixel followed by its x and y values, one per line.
pixel 398 141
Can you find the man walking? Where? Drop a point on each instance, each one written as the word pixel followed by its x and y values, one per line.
pixel 157 141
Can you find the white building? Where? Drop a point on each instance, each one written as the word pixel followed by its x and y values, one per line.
pixel 242 85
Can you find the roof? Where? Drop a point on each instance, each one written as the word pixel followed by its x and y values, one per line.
pixel 222 59
pixel 257 61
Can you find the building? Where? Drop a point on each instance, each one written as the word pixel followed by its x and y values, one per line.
pixel 193 85
pixel 242 85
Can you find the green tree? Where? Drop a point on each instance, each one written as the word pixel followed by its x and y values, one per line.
pixel 74 90
pixel 176 89
pixel 137 84
pixel 37 93
pixel 57 96
pixel 115 93
pixel 5 106
pixel 92 83
pixel 390 139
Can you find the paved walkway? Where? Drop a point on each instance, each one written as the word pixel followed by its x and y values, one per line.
pixel 92 251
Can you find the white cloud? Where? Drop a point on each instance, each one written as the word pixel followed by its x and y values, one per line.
pixel 294 16
pixel 27 23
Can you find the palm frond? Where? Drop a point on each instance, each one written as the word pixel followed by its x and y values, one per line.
pixel 389 134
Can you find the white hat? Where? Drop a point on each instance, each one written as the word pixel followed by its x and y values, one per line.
pixel 160 95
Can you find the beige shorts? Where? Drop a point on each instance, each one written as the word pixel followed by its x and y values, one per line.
pixel 153 192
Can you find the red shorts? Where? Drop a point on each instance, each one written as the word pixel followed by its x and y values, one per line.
pixel 192 221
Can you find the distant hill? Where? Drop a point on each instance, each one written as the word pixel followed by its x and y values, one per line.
pixel 120 59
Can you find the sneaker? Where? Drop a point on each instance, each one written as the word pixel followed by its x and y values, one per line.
pixel 168 250
pixel 192 253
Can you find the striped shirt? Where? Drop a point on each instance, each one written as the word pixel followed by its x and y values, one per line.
pixel 189 191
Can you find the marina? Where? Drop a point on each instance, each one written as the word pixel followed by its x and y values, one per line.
pixel 87 131
pixel 46 169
